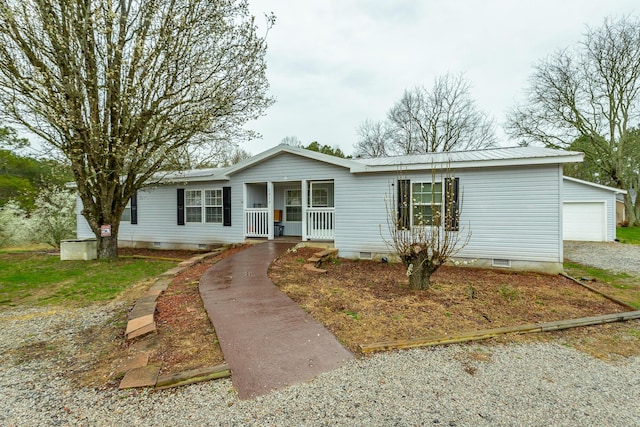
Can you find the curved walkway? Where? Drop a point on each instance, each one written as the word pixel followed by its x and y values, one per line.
pixel 267 339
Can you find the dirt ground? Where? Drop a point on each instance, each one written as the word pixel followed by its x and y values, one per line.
pixel 185 338
pixel 364 302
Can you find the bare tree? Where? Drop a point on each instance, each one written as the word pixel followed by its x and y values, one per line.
pixel 588 98
pixel 444 118
pixel 292 141
pixel 374 139
pixel 424 224
pixel 118 86
pixel 235 156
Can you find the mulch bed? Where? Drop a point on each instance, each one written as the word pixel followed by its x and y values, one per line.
pixel 365 301
pixel 186 339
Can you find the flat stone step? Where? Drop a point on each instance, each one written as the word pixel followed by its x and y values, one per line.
pixel 145 376
pixel 314 259
pixel 137 360
pixel 147 329
pixel 326 252
pixel 313 268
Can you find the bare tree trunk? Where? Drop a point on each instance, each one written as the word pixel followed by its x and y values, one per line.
pixel 107 246
pixel 633 209
pixel 421 270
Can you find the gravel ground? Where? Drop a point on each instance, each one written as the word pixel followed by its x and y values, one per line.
pixel 616 257
pixel 526 384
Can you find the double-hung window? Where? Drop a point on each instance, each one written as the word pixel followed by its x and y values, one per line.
pixel 213 205
pixel 426 203
pixel 203 206
pixel 293 205
pixel 319 197
pixel 126 213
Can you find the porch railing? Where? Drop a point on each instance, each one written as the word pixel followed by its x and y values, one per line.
pixel 256 222
pixel 320 223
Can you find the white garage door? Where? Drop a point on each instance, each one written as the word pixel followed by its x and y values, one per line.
pixel 584 221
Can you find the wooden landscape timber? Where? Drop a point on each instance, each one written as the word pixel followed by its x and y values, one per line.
pixel 193 376
pixel 592 289
pixel 490 333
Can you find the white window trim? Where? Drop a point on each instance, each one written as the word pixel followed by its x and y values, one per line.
pixel 413 203
pixel 286 206
pixel 203 206
pixel 126 209
pixel 311 190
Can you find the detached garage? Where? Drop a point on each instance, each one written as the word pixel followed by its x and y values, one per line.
pixel 588 211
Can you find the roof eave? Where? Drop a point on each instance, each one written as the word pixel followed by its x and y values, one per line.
pixel 283 148
pixel 593 184
pixel 568 158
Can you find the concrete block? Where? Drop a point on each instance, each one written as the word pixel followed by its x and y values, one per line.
pixel 79 249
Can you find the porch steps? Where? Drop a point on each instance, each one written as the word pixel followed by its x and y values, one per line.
pixel 313 268
pixel 313 263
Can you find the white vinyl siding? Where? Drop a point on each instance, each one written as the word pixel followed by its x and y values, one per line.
pixel 158 222
pixel 511 212
pixel 576 192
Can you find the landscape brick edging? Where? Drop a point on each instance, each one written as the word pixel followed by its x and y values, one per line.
pixel 141 323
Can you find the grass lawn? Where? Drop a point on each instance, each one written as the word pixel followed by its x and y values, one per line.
pixel 628 235
pixel 40 279
pixel 622 286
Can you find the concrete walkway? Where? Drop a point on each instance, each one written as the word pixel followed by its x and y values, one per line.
pixel 267 339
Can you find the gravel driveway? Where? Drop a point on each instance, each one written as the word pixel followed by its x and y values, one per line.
pixel 616 257
pixel 524 385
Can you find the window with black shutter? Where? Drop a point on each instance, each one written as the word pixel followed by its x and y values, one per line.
pixel 226 206
pixel 452 208
pixel 180 206
pixel 404 204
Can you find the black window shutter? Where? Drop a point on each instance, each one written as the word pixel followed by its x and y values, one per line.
pixel 133 203
pixel 404 204
pixel 180 206
pixel 226 206
pixel 451 208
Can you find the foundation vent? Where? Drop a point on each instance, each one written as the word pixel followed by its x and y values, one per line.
pixel 501 263
pixel 157 244
pixel 365 255
pixel 202 246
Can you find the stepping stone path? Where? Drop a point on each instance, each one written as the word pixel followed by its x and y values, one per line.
pixel 314 263
pixel 141 324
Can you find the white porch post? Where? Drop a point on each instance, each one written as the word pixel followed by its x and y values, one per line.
pixel 270 209
pixel 244 212
pixel 303 185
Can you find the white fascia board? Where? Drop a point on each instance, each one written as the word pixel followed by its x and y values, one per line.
pixel 283 148
pixel 569 158
pixel 593 184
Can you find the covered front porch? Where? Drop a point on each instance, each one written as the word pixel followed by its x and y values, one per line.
pixel 303 209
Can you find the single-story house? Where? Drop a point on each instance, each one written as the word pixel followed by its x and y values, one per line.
pixel 589 211
pixel 510 198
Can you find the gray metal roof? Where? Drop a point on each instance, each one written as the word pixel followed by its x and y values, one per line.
pixel 459 159
pixel 191 175
pixel 510 153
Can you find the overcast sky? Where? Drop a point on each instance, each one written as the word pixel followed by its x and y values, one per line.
pixel 334 63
